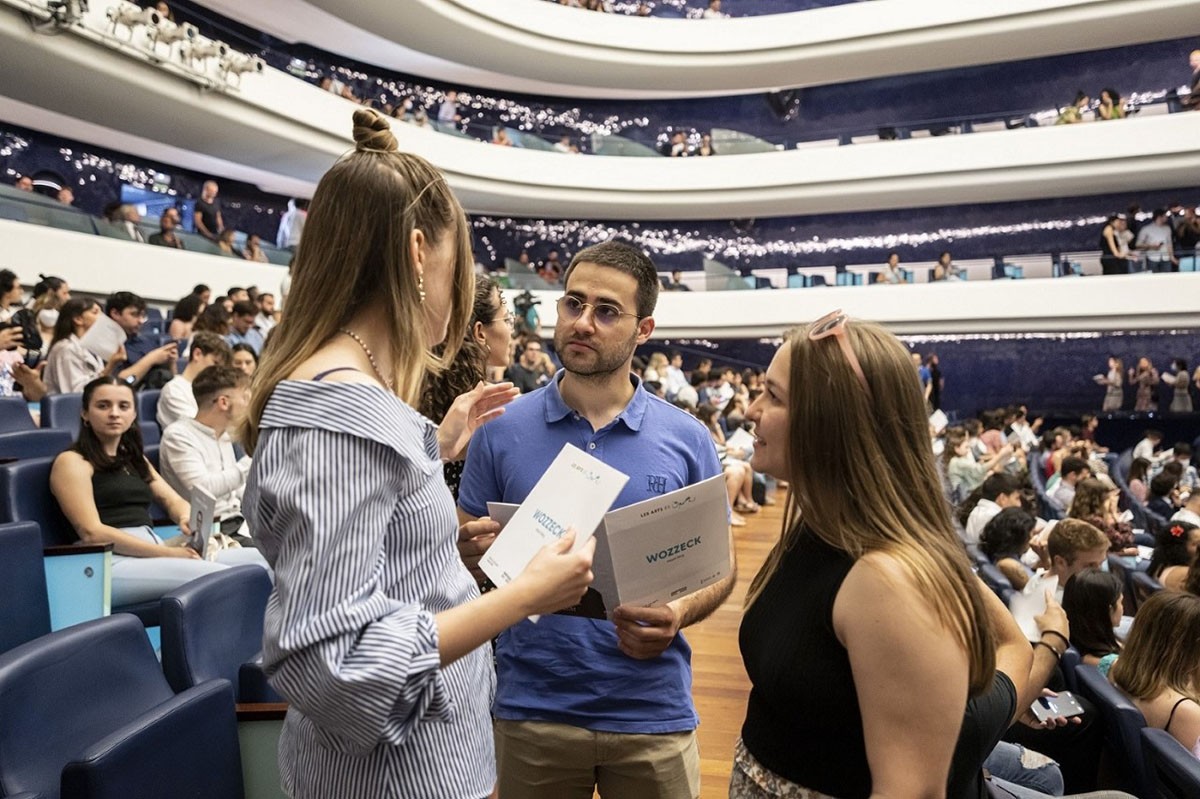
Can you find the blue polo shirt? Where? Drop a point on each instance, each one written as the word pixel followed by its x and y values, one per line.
pixel 568 669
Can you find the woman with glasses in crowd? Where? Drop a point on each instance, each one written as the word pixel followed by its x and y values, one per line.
pixel 865 631
pixel 375 633
pixel 486 346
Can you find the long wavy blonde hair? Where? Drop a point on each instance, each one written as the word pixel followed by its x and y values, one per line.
pixel 356 253
pixel 863 479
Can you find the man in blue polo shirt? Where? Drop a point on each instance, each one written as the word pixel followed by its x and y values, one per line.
pixel 587 703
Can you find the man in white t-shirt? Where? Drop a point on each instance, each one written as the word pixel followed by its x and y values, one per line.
pixel 1190 512
pixel 177 401
pixel 999 491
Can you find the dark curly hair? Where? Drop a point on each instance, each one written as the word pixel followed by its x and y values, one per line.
pixel 470 364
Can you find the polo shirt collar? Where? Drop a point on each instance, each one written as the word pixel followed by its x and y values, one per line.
pixel 631 416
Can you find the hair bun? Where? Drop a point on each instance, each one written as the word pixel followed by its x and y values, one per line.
pixel 372 132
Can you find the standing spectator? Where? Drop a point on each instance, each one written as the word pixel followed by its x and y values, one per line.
pixel 291 226
pixel 1145 377
pixel 166 236
pixel 926 377
pixel 936 381
pixel 177 400
pixel 197 451
pixel 1157 239
pixel 207 215
pixel 253 250
pixel 1114 253
pixel 242 329
pixel 448 111
pixel 1187 229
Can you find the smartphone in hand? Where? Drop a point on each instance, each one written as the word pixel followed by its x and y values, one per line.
pixel 1048 707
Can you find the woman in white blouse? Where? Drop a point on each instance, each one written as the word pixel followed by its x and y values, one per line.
pixel 69 365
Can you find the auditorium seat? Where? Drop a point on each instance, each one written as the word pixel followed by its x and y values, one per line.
pixel 996 580
pixel 25 496
pixel 1174 771
pixel 147 405
pixel 154 325
pixel 24 581
pixel 14 415
pixel 1144 587
pixel 1123 725
pixel 1070 661
pixel 212 628
pixel 89 715
pixel 62 411
pixel 34 443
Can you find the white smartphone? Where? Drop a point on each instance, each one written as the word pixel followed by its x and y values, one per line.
pixel 1048 707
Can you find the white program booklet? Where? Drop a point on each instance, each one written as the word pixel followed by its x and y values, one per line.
pixel 204 508
pixel 740 439
pixel 654 551
pixel 103 338
pixel 574 492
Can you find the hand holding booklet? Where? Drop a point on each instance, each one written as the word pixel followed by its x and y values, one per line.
pixel 573 493
pixel 653 551
pixel 103 338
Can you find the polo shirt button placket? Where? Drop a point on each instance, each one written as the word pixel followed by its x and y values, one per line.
pixel 591 445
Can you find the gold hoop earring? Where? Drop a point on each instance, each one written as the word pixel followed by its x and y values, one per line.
pixel 421 288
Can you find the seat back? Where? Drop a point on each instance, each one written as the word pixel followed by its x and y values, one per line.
pixel 212 625
pixel 25 497
pixel 1123 725
pixel 24 581
pixel 1144 587
pixel 67 690
pixel 1174 771
pixel 62 411
pixel 996 580
pixel 147 407
pixel 34 443
pixel 14 415
pixel 1071 660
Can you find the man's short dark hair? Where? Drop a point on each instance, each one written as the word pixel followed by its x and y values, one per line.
pixel 233 290
pixel 8 279
pixel 121 300
pixel 200 288
pixel 209 343
pixel 1183 449
pixel 1072 465
pixel 998 485
pixel 215 379
pixel 244 308
pixel 624 258
pixel 1152 433
pixel 673 354
pixel 1163 484
pixel 264 295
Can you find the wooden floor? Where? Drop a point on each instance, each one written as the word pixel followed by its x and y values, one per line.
pixel 719 683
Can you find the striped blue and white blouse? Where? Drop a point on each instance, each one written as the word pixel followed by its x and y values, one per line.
pixel 346 501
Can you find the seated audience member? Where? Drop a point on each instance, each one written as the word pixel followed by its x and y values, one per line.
pixel 69 365
pixel 1139 478
pixel 1162 491
pixel 945 269
pixel 126 218
pixel 1005 538
pixel 105 485
pixel 676 282
pixel 253 250
pixel 1174 552
pixel 242 329
pixel 146 365
pixel 166 236
pixel 198 450
pixel 891 273
pixel 24 183
pixel 225 243
pixel 183 319
pixel 244 359
pixel 739 476
pixel 237 294
pixel 964 472
pixel 1074 112
pixel 1094 601
pixel 203 292
pixel 38 318
pixel 1110 106
pixel 1159 667
pixel 999 491
pixel 1096 503
pixel 1181 453
pixel 266 314
pixel 213 319
pixel 177 400
pixel 706 148
pixel 1073 471
pixel 1150 442
pixel 1190 512
pixel 1072 546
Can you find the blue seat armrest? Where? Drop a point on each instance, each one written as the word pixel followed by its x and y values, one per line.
pixel 176 743
pixel 25 795
pixel 78 582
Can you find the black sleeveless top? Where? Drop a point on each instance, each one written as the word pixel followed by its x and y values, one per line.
pixel 122 498
pixel 803 720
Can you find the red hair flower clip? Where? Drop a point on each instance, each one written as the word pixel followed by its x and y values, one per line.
pixel 1177 531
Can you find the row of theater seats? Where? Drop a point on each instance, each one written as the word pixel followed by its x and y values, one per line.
pixel 20 438
pixel 87 711
pixel 1150 763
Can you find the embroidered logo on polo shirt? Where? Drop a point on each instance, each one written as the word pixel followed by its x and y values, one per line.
pixel 656 483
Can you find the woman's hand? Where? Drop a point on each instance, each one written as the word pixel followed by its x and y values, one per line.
pixel 184 552
pixel 10 337
pixel 556 578
pixel 468 413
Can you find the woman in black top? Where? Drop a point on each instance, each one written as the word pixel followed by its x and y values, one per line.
pixel 865 632
pixel 105 485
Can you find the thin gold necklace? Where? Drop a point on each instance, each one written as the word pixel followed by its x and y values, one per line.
pixel 370 357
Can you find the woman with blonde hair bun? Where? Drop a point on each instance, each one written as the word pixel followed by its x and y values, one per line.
pixel 375 632
pixel 865 632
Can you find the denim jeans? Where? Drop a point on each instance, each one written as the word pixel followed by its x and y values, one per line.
pixel 1025 767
